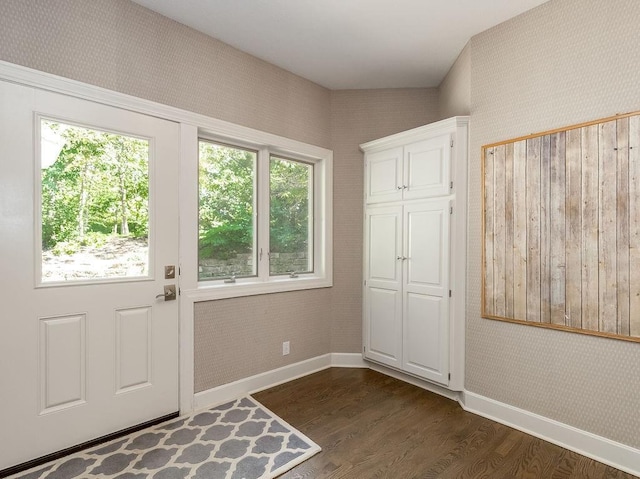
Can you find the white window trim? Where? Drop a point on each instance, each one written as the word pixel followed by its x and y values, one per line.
pixel 266 144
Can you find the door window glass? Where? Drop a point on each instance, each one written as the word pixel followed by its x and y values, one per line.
pixel 94 203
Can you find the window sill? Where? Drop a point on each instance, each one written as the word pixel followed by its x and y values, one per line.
pixel 219 290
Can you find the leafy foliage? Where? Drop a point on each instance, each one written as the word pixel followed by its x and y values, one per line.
pixel 98 184
pixel 289 218
pixel 226 183
pixel 226 189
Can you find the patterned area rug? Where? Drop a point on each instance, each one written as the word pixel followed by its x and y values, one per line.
pixel 238 440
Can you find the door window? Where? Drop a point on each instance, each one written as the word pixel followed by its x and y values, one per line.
pixel 94 204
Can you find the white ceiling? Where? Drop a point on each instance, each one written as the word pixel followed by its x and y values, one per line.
pixel 348 44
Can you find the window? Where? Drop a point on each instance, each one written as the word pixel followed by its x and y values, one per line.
pixel 263 216
pixel 94 204
pixel 226 226
pixel 290 217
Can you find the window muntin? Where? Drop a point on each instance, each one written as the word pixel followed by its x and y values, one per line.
pixel 227 233
pixel 290 216
pixel 94 204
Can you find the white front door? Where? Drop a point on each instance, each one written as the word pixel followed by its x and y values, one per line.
pixel 88 222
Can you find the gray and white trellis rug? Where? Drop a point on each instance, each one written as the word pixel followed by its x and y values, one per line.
pixel 238 440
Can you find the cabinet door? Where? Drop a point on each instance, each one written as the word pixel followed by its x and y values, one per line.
pixel 426 290
pixel 383 180
pixel 383 290
pixel 426 168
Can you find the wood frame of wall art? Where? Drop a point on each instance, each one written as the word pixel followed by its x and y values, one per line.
pixel 561 229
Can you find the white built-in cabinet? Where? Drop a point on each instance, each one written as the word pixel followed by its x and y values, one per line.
pixel 415 251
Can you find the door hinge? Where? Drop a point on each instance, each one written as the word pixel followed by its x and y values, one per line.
pixel 365 282
pixel 451 210
pixel 451 185
pixel 179 291
pixel 449 293
pixel 451 143
pixel 449 376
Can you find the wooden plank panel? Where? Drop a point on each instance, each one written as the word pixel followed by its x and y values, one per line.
pixel 589 142
pixel 608 296
pixel 489 307
pixel 557 226
pixel 520 230
pixel 622 217
pixel 573 229
pixel 545 229
pixel 563 248
pixel 508 226
pixel 499 231
pixel 533 229
pixel 634 225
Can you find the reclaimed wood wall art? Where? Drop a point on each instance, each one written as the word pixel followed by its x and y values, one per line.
pixel 561 229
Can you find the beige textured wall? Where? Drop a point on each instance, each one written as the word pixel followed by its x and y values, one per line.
pixel 565 62
pixel 358 116
pixel 455 89
pixel 119 45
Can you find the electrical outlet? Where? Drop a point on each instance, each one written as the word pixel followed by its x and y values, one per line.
pixel 286 348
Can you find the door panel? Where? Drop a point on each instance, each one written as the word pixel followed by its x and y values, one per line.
pixel 384 245
pixel 62 362
pixel 426 168
pixel 384 337
pixel 383 290
pixel 425 353
pixel 81 359
pixel 384 176
pixel 426 290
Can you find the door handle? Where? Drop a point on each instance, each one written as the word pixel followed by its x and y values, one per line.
pixel 169 293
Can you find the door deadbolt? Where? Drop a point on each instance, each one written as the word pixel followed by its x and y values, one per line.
pixel 169 272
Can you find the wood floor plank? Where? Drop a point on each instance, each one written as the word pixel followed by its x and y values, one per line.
pixel 370 425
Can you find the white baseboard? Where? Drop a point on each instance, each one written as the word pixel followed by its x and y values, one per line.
pixel 348 360
pixel 269 379
pixel 603 450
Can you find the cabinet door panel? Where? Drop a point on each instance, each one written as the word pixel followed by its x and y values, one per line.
pixel 383 329
pixel 426 168
pixel 426 290
pixel 384 175
pixel 426 337
pixel 383 246
pixel 426 226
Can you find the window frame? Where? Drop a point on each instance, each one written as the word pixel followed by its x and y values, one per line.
pixel 266 145
pixel 311 211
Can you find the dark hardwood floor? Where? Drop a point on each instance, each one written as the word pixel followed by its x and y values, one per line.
pixel 373 426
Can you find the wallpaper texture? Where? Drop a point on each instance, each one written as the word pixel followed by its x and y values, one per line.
pixel 565 62
pixel 119 45
pixel 454 92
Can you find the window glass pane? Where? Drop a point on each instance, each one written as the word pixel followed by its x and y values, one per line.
pixel 226 245
pixel 291 216
pixel 94 203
